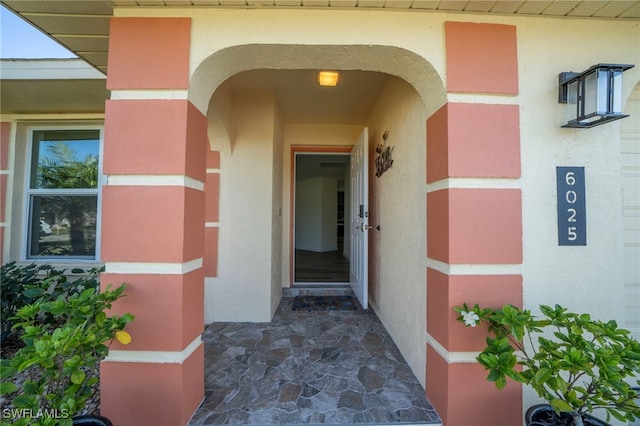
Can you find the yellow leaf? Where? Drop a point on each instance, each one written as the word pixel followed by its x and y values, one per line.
pixel 123 337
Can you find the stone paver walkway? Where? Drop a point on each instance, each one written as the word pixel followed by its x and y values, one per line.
pixel 333 367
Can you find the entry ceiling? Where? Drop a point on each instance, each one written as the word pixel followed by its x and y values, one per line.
pixel 301 100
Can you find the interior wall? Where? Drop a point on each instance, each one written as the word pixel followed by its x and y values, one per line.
pixel 247 222
pixel 397 252
pixel 316 214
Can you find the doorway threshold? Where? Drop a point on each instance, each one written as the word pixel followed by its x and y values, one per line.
pixel 318 289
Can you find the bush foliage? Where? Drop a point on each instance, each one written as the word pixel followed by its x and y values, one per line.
pixel 576 363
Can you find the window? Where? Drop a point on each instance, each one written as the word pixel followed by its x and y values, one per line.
pixel 62 195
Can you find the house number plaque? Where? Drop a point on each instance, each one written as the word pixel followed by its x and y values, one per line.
pixel 572 215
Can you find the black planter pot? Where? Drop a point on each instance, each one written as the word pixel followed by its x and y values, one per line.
pixel 543 415
pixel 91 421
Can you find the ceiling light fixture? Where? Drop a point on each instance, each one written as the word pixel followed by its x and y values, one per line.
pixel 328 78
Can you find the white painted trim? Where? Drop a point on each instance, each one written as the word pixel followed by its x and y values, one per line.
pixel 216 171
pixel 452 357
pixel 155 357
pixel 152 268
pixel 150 94
pixel 44 117
pixel 212 224
pixel 27 191
pixel 474 183
pixel 155 180
pixel 49 69
pixel 473 269
pixel 474 98
pixel 5 244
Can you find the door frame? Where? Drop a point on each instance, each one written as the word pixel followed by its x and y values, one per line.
pixel 295 149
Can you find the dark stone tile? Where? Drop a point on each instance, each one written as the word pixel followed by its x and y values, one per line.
pixel 370 378
pixel 276 356
pixel 334 367
pixel 352 400
pixel 290 392
pixel 308 391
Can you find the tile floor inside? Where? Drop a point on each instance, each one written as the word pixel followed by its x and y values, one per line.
pixel 320 367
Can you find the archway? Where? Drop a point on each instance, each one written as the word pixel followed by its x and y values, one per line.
pixel 412 70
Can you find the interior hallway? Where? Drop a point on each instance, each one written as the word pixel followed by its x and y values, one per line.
pixel 321 367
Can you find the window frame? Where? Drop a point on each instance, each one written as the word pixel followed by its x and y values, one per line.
pixel 29 193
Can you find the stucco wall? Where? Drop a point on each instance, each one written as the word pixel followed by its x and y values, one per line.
pixel 241 293
pixel 630 147
pixel 583 278
pixel 397 272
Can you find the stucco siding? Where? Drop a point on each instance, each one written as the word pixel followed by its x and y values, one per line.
pixel 398 250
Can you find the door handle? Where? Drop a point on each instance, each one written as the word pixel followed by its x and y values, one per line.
pixel 364 227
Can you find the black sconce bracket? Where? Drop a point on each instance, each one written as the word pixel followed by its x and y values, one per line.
pixel 593 96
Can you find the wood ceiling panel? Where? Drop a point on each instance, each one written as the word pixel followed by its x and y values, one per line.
pixel 479 6
pixel 586 8
pixel 54 24
pixel 452 5
pixel 53 96
pixel 560 8
pixel 398 4
pixel 62 7
pixel 150 2
pixel 533 7
pixel 343 3
pixel 315 3
pixel 97 58
pixel 619 8
pixel 86 44
pixel 233 3
pixel 633 12
pixel 370 3
pixel 288 2
pixel 260 2
pixel 425 4
pixel 506 6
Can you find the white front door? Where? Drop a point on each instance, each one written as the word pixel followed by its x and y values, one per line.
pixel 359 227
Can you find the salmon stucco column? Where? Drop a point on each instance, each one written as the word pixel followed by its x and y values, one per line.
pixel 153 224
pixel 474 219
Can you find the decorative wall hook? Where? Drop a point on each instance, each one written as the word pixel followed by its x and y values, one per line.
pixel 383 157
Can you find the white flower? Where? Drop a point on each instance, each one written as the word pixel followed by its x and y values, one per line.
pixel 470 318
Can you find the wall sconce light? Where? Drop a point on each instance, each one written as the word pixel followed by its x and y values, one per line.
pixel 594 96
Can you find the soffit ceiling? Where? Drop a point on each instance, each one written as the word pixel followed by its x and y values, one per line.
pixel 83 26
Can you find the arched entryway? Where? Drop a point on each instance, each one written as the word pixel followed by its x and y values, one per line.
pixel 184 113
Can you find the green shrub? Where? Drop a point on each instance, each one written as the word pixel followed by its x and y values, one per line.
pixel 22 285
pixel 576 363
pixel 61 357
